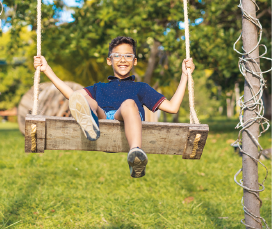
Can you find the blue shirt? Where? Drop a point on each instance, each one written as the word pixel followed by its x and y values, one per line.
pixel 111 95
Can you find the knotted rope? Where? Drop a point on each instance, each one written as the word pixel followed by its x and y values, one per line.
pixel 255 104
pixel 36 78
pixel 193 116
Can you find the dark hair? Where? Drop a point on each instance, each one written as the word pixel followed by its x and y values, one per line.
pixel 122 40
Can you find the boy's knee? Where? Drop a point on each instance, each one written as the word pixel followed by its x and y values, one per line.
pixel 129 105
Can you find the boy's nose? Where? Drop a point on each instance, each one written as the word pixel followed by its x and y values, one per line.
pixel 123 58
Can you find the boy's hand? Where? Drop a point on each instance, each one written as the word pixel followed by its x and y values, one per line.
pixel 188 63
pixel 40 61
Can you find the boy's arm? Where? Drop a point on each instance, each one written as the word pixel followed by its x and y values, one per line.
pixel 63 87
pixel 173 105
pixel 46 69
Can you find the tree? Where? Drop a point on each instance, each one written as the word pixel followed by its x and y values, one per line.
pixel 213 39
pixel 15 75
pixel 155 26
pixel 78 50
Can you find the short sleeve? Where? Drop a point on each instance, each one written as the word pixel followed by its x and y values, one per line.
pixel 91 90
pixel 150 97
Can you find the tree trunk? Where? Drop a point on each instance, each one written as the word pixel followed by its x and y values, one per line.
pixel 230 104
pixel 250 167
pixel 164 116
pixel 237 97
pixel 267 104
pixel 151 62
pixel 176 117
pixel 229 112
pixel 149 115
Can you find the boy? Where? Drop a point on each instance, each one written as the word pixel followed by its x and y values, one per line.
pixel 121 99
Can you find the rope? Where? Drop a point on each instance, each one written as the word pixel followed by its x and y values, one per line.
pixel 195 146
pixel 36 78
pixel 2 8
pixel 254 104
pixel 193 116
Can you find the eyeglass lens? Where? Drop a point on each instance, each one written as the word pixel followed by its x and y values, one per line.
pixel 117 56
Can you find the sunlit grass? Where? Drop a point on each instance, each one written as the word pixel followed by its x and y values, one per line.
pixel 73 189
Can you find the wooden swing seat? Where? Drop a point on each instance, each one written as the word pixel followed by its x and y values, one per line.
pixel 64 133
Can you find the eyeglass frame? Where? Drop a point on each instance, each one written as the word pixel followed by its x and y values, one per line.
pixel 123 55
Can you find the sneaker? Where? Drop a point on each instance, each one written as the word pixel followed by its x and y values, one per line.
pixel 84 116
pixel 137 161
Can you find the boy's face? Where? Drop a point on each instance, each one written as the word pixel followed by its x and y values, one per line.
pixel 123 66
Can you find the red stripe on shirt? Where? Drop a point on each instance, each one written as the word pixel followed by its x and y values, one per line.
pixel 158 104
pixel 89 93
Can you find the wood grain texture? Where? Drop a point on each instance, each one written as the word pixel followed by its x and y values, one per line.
pixel 63 133
pixel 192 132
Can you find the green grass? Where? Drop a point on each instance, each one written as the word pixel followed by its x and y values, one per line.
pixel 73 189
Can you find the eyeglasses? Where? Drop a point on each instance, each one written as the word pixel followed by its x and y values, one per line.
pixel 118 56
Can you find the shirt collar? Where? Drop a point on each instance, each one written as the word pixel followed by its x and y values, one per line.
pixel 128 78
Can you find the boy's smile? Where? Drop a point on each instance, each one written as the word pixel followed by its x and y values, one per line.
pixel 122 67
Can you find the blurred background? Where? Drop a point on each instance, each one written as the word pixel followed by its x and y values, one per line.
pixel 76 35
pixel 77 189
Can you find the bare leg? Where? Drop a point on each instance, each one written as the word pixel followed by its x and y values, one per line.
pixel 93 105
pixel 129 113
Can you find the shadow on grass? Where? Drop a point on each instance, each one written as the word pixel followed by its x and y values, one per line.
pixel 212 210
pixel 20 202
pixel 213 214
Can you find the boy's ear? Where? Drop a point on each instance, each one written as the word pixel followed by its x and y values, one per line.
pixel 109 61
pixel 135 61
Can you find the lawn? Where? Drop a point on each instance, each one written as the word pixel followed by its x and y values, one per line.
pixel 73 189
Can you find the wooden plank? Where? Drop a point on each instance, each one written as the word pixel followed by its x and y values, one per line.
pixel 157 138
pixel 201 143
pixel 192 134
pixel 40 123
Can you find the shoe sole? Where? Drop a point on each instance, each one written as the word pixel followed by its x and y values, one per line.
pixel 82 113
pixel 137 160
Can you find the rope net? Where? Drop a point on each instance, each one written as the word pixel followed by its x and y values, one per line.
pixel 255 104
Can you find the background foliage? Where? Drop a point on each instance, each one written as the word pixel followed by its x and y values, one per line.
pixel 77 51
